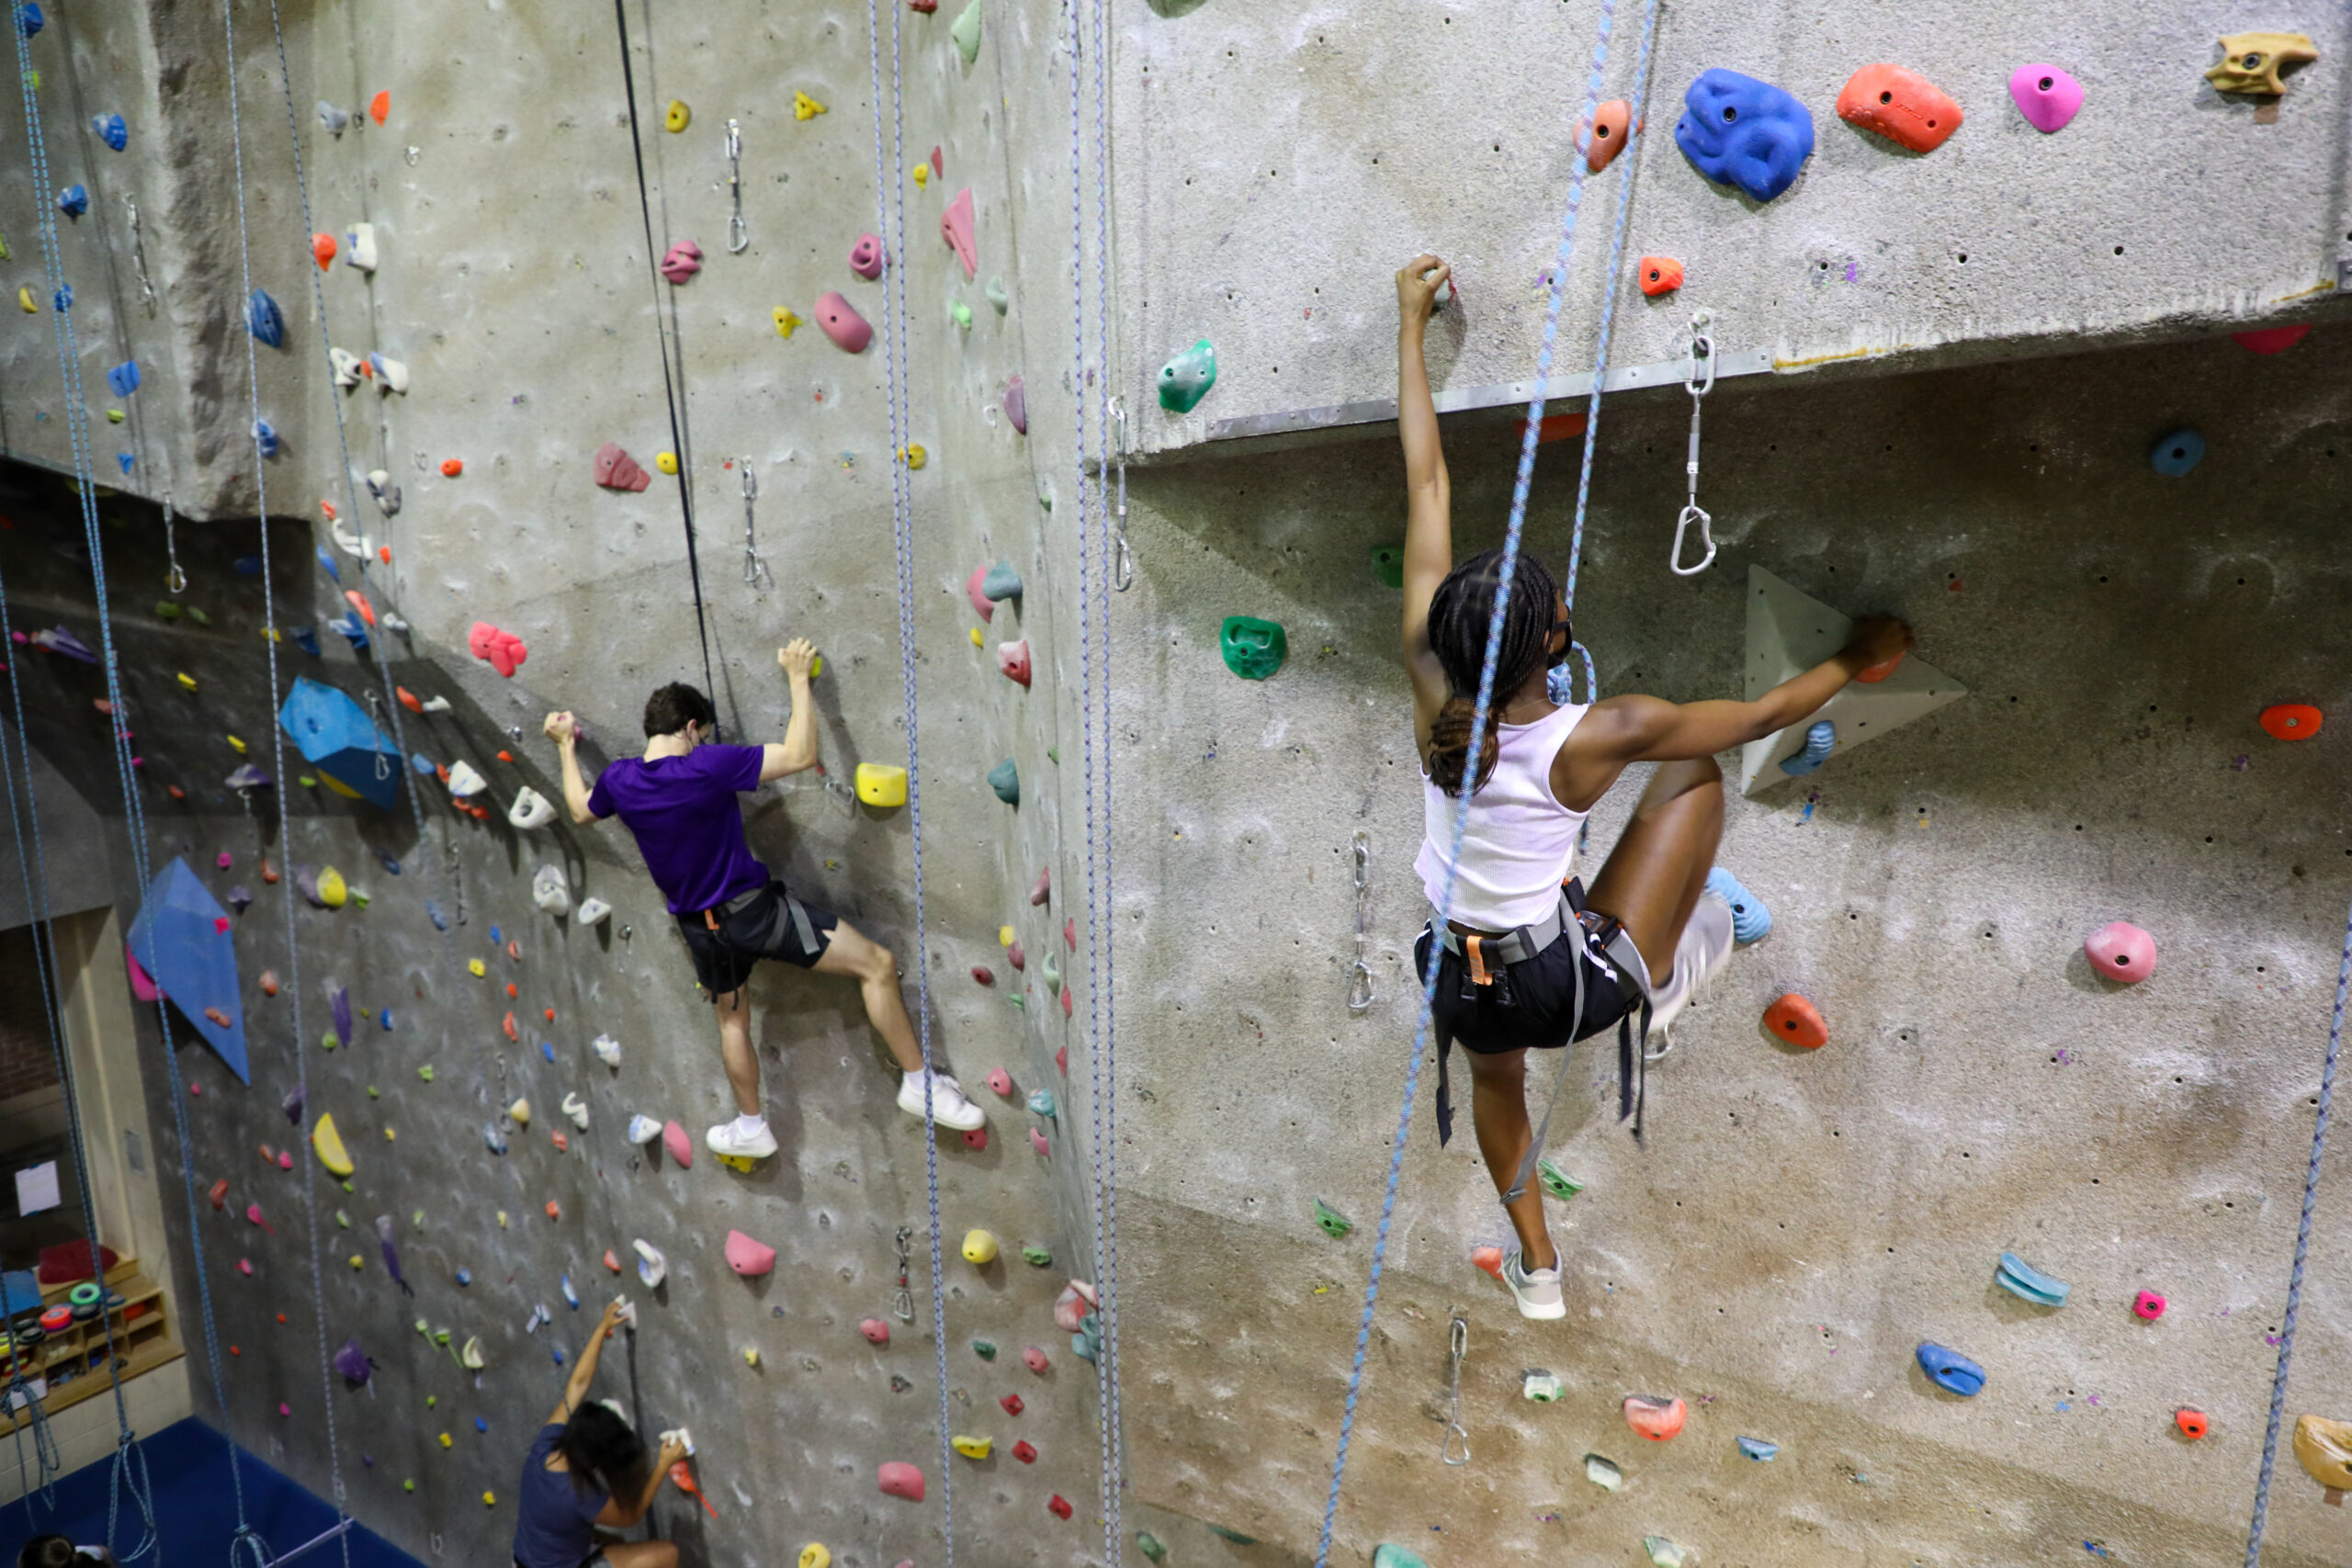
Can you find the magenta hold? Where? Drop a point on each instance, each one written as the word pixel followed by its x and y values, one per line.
pixel 2121 951
pixel 865 257
pixel 2047 97
pixel 849 332
pixel 2149 1305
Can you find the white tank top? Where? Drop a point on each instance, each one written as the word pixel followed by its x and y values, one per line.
pixel 1520 840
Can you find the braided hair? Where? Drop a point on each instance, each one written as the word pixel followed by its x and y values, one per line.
pixel 1460 613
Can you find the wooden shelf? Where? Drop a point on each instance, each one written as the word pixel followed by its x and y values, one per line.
pixel 73 1360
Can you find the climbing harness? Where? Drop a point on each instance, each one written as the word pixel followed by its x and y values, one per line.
pixel 2303 1254
pixel 1455 1449
pixel 754 568
pixel 1359 973
pixel 1698 380
pixel 175 579
pixel 739 237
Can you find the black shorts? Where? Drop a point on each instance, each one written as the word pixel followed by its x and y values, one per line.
pixel 762 928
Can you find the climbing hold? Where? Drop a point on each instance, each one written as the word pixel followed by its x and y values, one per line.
pixel 1057 1505
pixel 748 1258
pixel 1001 583
pixel 112 130
pixel 1750 922
pixel 651 1266
pixel 960 313
pixel 1186 379
pixel 900 1480
pixel 359 249
pixel 531 809
pixel 1041 1103
pixel 322 249
pixel 2291 721
pixel 1034 1359
pixel 914 455
pixel 681 261
pixel 2149 1305
pixel 966 32
pixel 1334 1222
pixel 2176 454
pixel 1148 1544
pixel 25 300
pixel 2047 97
pixel 1557 1182
pixel 493 1139
pixel 849 330
pixel 1613 128
pixel 1603 1473
pixel 876 1331
pixel 805 107
pixel 680 1147
pixel 1656 1416
pixel 328 1144
pixel 2028 1283
pixel 576 1109
pixel 973 1448
pixel 1002 301
pixel 1541 1387
pixel 503 650
pixel 979 1249
pixel 1012 660
pixel 2191 1422
pixel 1757 1449
pixel 549 892
pixel 593 912
pixel 2121 951
pixel 264 320
pixel 1798 1021
pixel 1659 275
pixel 1012 954
pixel 1042 890
pixel 786 320
pixel 955 223
pixel 2324 1449
pixel 616 470
pixel 984 1349
pixel 379 107
pixel 675 118
pixel 1037 1258
pixel 74 201
pixel 1820 739
pixel 123 379
pixel 1738 130
pixel 2271 340
pixel 1016 404
pixel 2250 63
pixel 1663 1553
pixel 880 785
pixel 1389 1555
pixel 1902 105
pixel 1950 1369
pixel 983 973
pixel 1253 648
pixel 1005 779
pixel 865 257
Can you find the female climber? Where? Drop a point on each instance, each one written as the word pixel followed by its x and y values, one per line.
pixel 1527 958
pixel 679 801
pixel 588 1469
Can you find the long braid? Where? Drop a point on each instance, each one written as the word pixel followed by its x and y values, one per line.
pixel 1460 613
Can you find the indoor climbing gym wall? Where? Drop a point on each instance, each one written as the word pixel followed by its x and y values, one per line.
pixel 386 378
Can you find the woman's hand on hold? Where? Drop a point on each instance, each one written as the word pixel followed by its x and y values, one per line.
pixel 672 1451
pixel 561 728
pixel 796 656
pixel 1877 639
pixel 614 1315
pixel 1417 286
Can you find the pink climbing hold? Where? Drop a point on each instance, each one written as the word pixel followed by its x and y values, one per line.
pixel 284 1408
pixel 748 1258
pixel 1012 660
pixel 1014 957
pixel 2271 340
pixel 978 1138
pixel 999 1081
pixel 503 650
pixel 849 330
pixel 254 1216
pixel 877 1332
pixel 1061 1060
pixel 1044 888
pixel 2122 951
pixel 1037 1142
pixel 224 860
pixel 865 257
pixel 680 1147
pixel 899 1480
pixel 285 1161
pixel 938 164
pixel 984 975
pixel 1068 991
pixel 681 261
pixel 1069 932
pixel 2047 97
pixel 142 985
pixel 244 1266
pixel 956 228
pixel 980 602
pixel 616 470
pixel 1034 1359
pixel 2149 1304
pixel 1016 404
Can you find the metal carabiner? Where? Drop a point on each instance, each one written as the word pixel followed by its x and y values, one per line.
pixel 739 237
pixel 1691 514
pixel 1123 561
pixel 1455 1450
pixel 903 1304
pixel 1698 380
pixel 175 579
pixel 1360 987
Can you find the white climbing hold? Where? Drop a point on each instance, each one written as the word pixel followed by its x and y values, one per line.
pixel 608 1051
pixel 441 705
pixel 1603 1473
pixel 643 1129
pixel 549 892
pixel 593 910
pixel 577 1109
pixel 530 808
pixel 651 1266
pixel 392 372
pixel 359 250
pixel 463 780
pixel 470 1357
pixel 387 493
pixel 347 367
pixel 356 546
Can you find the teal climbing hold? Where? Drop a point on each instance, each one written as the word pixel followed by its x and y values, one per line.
pixel 1001 583
pixel 1253 648
pixel 966 32
pixel 1389 1555
pixel 998 296
pixel 2028 1283
pixel 984 1349
pixel 1388 564
pixel 1041 1103
pixel 1333 1222
pixel 1148 1544
pixel 1757 1449
pixel 1750 920
pixel 2176 454
pixel 1186 380
pixel 1819 741
pixel 1005 779
pixel 1237 1539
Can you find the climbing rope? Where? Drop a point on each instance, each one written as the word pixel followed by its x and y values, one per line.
pixel 890 215
pixel 2303 1254
pixel 1504 578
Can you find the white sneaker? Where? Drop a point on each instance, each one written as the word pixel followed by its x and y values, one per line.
pixel 728 1139
pixel 1537 1291
pixel 949 1106
pixel 1706 942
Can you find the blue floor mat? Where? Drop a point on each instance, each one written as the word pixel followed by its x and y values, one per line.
pixel 196 1512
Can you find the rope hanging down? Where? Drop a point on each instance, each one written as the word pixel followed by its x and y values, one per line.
pixel 1512 536
pixel 890 215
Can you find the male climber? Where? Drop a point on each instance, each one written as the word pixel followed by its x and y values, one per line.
pixel 679 802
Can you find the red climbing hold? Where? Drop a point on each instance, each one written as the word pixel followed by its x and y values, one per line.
pixel 503 650
pixel 2291 721
pixel 1014 957
pixel 408 699
pixel 1489 1258
pixel 2192 1423
pixel 1058 1503
pixel 2121 951
pixel 1902 105
pixel 1877 672
pixel 1069 932
pixel 1798 1021
pixel 2271 340
pixel 1658 1419
pixel 452 467
pixel 1013 1405
pixel 512 1032
pixel 1066 992
pixel 1012 660
pixel 380 107
pixel 217 1017
pixel 1659 275
pixel 1613 128
pixel 1027 1454
pixel 358 602
pixel 984 975
pixel 956 228
pixel 616 470
pixel 1061 1060
pixel 899 1480
pixel 925 6
pixel 220 1193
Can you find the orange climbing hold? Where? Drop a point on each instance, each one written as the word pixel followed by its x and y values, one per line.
pixel 1798 1021
pixel 509 1027
pixel 358 602
pixel 1902 105
pixel 2192 1423
pixel 555 1210
pixel 1659 275
pixel 269 982
pixel 1656 1418
pixel 408 699
pixel 380 107
pixel 452 467
pixel 2291 721
pixel 322 247
pixel 1490 1258
pixel 612 1262
pixel 1613 127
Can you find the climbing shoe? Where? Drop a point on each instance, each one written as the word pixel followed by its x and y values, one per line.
pixel 1706 942
pixel 1536 1290
pixel 949 1106
pixel 730 1140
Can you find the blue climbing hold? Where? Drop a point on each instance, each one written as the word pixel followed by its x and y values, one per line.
pixel 481 1425
pixel 465 1276
pixel 112 130
pixel 2176 454
pixel 385 1018
pixel 1737 131
pixel 1950 1369
pixel 354 631
pixel 265 442
pixel 264 320
pixel 423 764
pixel 247 565
pixel 389 861
pixel 1750 920
pixel 1005 779
pixel 547 1049
pixel 306 638
pixel 433 912
pixel 1041 1103
pixel 493 1139
pixel 74 201
pixel 29 18
pixel 62 299
pixel 2028 1283
pixel 123 379
pixel 126 459
pixel 495 936
pixel 1819 741
pixel 326 560
pixel 1757 1449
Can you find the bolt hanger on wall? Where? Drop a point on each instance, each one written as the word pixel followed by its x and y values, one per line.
pixel 1698 381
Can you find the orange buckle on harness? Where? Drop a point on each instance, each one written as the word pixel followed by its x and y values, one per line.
pixel 710 918
pixel 1473 950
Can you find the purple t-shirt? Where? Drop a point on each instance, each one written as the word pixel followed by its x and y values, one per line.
pixel 682 811
pixel 555 1520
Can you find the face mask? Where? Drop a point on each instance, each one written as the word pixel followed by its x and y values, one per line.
pixel 1555 660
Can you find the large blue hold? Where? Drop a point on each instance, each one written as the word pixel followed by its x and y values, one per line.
pixel 1737 131
pixel 1950 1369
pixel 112 130
pixel 123 379
pixel 74 201
pixel 337 736
pixel 264 319
pixel 180 939
pixel 29 18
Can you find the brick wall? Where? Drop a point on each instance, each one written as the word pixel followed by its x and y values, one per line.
pixel 27 1061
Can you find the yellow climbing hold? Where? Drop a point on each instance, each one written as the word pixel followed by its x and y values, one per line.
pixel 977 642
pixel 923 175
pixel 751 1355
pixel 814 1556
pixel 501 1219
pixel 489 1499
pixel 25 300
pixel 236 745
pixel 915 456
pixel 328 1144
pixel 881 785
pixel 389 1135
pixel 474 968
pixel 973 1448
pixel 806 107
pixel 445 1440
pixel 667 462
pixel 1004 937
pixel 674 118
pixel 980 1247
pixel 188 681
pixel 333 891
pixel 785 321
pixel 358 1261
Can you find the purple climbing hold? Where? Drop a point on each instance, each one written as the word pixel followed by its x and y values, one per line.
pixel 292 1105
pixel 353 1364
pixel 1016 405
pixel 2047 97
pixel 392 1253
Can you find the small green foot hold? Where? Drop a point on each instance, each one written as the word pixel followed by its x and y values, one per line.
pixel 1005 779
pixel 1148 1544
pixel 1253 648
pixel 984 1349
pixel 1333 1222
pixel 1557 1182
pixel 1240 1540
pixel 1041 1103
pixel 1388 564
pixel 1391 1556
pixel 998 296
pixel 966 32
pixel 1037 1257
pixel 1054 755
pixel 1186 380
pixel 1053 976
pixel 961 313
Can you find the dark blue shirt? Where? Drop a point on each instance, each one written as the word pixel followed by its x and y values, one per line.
pixel 554 1525
pixel 688 829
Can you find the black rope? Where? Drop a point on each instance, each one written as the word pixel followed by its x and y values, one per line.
pixel 669 386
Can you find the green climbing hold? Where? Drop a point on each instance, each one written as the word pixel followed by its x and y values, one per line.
pixel 1186 380
pixel 1037 1257
pixel 997 295
pixel 984 1349
pixel 327 1041
pixel 1332 1219
pixel 166 611
pixel 1240 1540
pixel 1253 648
pixel 1388 564
pixel 1388 1556
pixel 1053 976
pixel 962 313
pixel 1005 779
pixel 1054 755
pixel 425 1073
pixel 1018 999
pixel 199 617
pixel 1557 1182
pixel 966 32
pixel 1148 1544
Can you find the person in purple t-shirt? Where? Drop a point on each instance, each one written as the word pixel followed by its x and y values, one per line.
pixel 679 801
